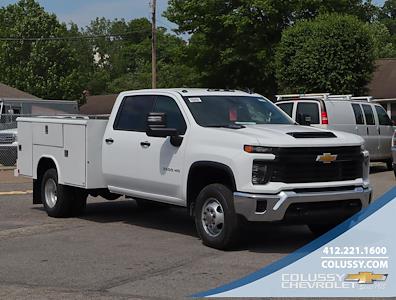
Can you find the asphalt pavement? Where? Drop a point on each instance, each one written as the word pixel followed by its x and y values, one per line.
pixel 118 251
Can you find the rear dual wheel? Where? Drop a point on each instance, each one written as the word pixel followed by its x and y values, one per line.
pixel 61 201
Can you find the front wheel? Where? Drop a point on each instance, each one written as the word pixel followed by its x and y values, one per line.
pixel 215 217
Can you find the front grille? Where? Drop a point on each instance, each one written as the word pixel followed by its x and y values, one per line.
pixel 6 138
pixel 300 165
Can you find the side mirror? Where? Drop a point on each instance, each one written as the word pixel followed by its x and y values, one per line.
pixel 157 126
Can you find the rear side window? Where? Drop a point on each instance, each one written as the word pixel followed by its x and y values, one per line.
pixel 310 110
pixel 383 116
pixel 287 108
pixel 358 114
pixel 369 114
pixel 173 114
pixel 132 115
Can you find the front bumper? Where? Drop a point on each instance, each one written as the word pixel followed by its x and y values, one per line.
pixel 251 205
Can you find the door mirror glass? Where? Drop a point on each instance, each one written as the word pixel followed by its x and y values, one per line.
pixel 157 125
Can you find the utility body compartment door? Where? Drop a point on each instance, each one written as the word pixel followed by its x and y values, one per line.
pixel 74 156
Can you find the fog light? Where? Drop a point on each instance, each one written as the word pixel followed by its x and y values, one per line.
pixel 261 206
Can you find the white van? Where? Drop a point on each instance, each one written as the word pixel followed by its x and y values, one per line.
pixel 356 115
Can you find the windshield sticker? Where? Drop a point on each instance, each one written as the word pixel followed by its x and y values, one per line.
pixel 195 100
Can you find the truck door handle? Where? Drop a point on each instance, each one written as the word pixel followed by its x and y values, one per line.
pixel 109 141
pixel 145 144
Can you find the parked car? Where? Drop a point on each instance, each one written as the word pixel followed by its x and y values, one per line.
pixel 11 109
pixel 225 155
pixel 8 147
pixel 356 115
pixel 394 152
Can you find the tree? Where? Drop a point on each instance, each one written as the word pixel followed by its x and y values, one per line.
pixel 333 53
pixel 123 61
pixel 232 43
pixel 53 69
pixel 382 40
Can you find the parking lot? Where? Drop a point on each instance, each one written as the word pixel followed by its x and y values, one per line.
pixel 119 251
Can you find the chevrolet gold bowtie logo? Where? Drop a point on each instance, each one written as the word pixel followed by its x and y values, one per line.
pixel 366 277
pixel 326 158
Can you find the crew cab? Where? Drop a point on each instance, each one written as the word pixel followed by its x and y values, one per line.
pixel 227 156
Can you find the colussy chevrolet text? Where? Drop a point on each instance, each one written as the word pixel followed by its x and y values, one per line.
pixel 227 156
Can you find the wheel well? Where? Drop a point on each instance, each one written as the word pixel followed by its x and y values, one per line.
pixel 204 173
pixel 44 164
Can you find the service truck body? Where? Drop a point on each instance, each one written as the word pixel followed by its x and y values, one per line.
pixel 260 166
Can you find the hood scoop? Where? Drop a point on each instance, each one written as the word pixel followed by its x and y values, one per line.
pixel 312 135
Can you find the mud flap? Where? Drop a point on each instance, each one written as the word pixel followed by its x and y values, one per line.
pixel 37 192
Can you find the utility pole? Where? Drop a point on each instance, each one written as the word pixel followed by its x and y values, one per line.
pixel 154 44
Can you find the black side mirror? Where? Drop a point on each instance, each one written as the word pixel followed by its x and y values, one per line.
pixel 157 126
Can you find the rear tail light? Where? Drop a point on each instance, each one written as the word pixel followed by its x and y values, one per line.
pixel 394 139
pixel 325 120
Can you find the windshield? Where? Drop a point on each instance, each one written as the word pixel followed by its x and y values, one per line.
pixel 217 111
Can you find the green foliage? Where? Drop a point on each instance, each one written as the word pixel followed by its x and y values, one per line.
pixel 49 69
pixel 123 62
pixel 333 53
pixel 233 42
pixel 382 40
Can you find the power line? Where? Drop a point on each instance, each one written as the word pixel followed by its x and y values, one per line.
pixel 71 38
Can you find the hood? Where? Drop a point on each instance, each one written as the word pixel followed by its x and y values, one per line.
pixel 288 136
pixel 9 131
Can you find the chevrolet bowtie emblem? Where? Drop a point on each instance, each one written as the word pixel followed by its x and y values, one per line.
pixel 326 158
pixel 366 277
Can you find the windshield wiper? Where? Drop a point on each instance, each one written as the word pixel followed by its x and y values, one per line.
pixel 229 126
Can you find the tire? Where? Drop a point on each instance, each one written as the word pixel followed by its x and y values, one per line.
pixel 389 165
pixel 215 218
pixel 320 229
pixel 78 203
pixel 60 201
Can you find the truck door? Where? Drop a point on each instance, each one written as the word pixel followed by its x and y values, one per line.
pixel 385 132
pixel 122 144
pixel 161 163
pixel 372 141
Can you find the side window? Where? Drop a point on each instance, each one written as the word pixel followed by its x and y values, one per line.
pixel 287 108
pixel 306 109
pixel 174 116
pixel 369 114
pixel 358 114
pixel 383 116
pixel 132 115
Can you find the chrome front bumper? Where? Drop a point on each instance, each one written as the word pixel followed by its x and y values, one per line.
pixel 277 205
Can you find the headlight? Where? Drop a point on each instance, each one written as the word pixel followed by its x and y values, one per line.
pixel 362 147
pixel 15 138
pixel 260 172
pixel 257 149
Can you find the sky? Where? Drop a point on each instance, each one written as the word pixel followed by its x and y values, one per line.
pixel 82 12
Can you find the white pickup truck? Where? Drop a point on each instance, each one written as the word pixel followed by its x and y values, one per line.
pixel 227 156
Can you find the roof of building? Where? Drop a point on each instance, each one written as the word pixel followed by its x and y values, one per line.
pixel 98 105
pixel 13 93
pixel 383 84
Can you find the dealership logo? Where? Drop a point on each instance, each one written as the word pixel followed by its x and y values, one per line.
pixel 327 158
pixel 366 277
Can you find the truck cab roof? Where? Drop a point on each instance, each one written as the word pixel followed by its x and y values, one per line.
pixel 189 92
